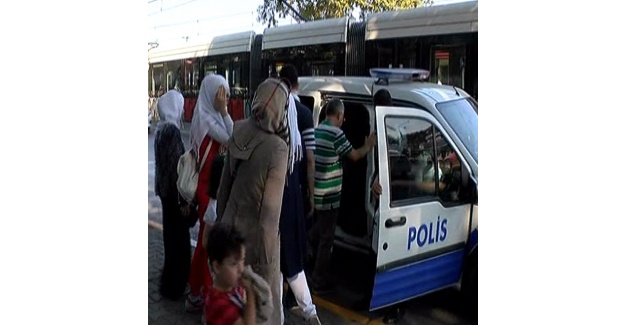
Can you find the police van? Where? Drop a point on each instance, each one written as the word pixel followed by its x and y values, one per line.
pixel 420 235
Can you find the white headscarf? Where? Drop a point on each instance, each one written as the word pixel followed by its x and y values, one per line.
pixel 295 152
pixel 171 107
pixel 206 119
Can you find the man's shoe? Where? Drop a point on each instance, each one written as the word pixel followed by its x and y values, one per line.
pixel 297 311
pixel 314 320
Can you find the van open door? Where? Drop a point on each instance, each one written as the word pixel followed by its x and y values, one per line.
pixel 424 215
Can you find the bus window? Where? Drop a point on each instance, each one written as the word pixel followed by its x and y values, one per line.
pixel 210 68
pixel 448 64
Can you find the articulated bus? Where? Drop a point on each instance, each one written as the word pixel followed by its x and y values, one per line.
pixel 441 39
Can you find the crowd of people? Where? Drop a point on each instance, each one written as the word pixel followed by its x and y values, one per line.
pixel 260 182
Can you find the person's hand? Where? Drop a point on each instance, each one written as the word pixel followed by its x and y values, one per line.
pixel 311 200
pixel 372 140
pixel 377 189
pixel 185 210
pixel 312 208
pixel 221 101
pixel 205 240
pixel 246 282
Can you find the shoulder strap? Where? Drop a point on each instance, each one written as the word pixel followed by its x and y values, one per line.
pixel 208 149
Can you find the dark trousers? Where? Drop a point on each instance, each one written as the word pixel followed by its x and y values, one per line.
pixel 177 250
pixel 322 235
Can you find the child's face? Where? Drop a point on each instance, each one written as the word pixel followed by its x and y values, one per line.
pixel 230 270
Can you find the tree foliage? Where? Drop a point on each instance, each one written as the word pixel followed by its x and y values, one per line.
pixel 271 10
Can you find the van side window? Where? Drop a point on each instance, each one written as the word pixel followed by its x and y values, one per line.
pixel 420 168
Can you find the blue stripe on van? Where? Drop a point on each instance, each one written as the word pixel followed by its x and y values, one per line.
pixel 409 281
pixel 472 240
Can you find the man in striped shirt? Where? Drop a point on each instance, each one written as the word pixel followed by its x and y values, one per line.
pixel 331 146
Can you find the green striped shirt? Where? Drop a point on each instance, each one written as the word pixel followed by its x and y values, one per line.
pixel 331 146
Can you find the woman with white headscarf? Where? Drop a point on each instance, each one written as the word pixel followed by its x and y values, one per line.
pixel 211 128
pixel 168 148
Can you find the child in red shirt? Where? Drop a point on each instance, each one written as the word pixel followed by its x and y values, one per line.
pixel 231 299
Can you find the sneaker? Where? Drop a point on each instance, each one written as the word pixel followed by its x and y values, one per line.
pixel 297 311
pixel 314 320
pixel 193 303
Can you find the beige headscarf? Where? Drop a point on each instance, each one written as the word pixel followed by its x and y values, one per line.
pixel 269 107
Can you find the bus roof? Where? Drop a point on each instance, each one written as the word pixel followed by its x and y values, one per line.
pixel 315 32
pixel 435 20
pixel 217 45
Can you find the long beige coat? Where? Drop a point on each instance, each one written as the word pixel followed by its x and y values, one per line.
pixel 255 199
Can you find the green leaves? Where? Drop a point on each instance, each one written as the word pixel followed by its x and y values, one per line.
pixel 271 10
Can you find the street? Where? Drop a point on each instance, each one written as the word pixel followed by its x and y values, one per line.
pixel 442 308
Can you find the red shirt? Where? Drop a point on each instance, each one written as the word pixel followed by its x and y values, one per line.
pixel 223 308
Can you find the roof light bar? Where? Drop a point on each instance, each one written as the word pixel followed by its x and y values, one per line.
pixel 399 74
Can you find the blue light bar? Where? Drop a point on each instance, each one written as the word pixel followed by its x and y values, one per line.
pixel 399 74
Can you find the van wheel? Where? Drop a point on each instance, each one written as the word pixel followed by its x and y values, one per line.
pixel 469 291
pixel 393 315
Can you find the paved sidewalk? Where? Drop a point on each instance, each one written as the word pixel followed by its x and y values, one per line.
pixel 162 311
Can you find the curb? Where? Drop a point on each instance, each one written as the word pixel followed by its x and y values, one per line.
pixel 347 314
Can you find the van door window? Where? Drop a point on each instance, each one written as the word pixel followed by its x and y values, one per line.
pixel 450 168
pixel 411 158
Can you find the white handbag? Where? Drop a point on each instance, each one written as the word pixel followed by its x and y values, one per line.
pixel 188 173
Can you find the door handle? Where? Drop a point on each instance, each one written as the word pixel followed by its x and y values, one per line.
pixel 395 223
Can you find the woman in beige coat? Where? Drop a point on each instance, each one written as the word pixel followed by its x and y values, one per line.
pixel 252 184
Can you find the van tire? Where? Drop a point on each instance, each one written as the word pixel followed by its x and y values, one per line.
pixel 470 287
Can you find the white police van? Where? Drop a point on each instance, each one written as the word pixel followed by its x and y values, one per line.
pixel 421 236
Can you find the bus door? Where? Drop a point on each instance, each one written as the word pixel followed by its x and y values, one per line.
pixel 423 221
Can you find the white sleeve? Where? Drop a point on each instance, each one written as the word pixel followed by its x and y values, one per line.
pixel 217 132
pixel 210 216
pixel 229 125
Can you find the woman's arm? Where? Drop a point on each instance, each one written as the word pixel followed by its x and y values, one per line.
pixel 207 229
pixel 249 311
pixel 249 315
pixel 217 131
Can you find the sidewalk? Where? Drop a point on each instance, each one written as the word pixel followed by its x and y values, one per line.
pixel 162 311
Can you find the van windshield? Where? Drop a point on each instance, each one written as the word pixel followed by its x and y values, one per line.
pixel 461 114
